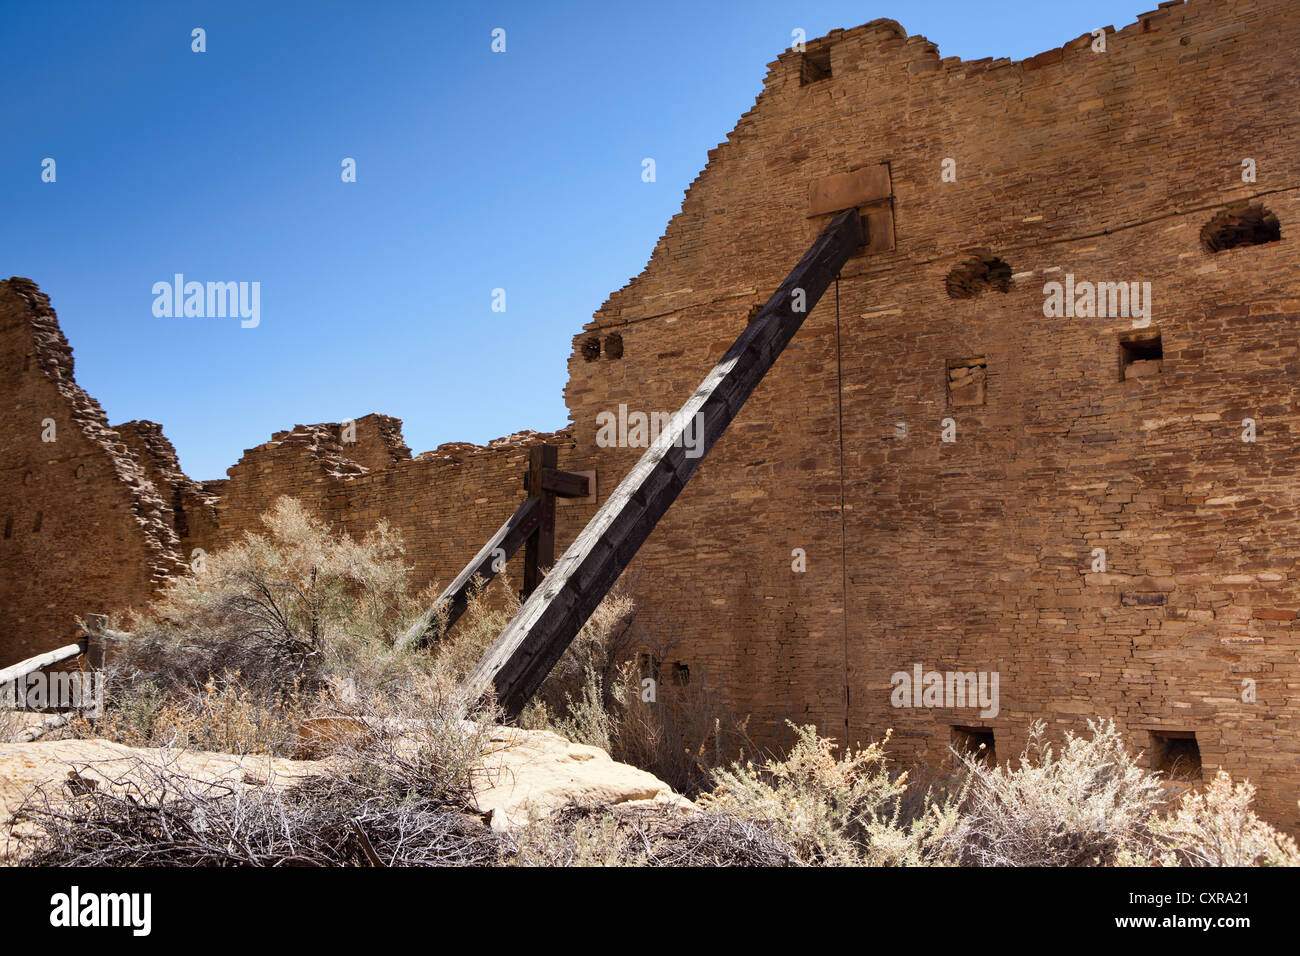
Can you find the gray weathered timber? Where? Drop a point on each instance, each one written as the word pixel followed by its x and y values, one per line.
pixel 16 671
pixel 524 653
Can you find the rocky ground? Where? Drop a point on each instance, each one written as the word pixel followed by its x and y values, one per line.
pixel 526 774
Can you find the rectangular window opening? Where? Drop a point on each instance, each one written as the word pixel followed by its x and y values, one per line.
pixel 1140 356
pixel 976 742
pixel 967 380
pixel 815 67
pixel 1176 754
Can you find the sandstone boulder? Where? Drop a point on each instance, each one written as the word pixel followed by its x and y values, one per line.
pixel 531 772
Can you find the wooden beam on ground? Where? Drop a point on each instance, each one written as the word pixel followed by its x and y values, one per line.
pixel 524 653
pixel 499 549
pixel 15 671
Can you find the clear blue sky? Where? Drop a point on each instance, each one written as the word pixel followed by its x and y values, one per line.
pixel 475 171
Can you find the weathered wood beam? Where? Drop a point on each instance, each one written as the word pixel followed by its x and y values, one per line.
pixel 14 671
pixel 524 653
pixel 565 484
pixel 508 539
pixel 539 552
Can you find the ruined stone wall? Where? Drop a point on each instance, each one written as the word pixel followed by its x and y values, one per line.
pixel 193 507
pixel 976 555
pixel 445 503
pixel 82 529
pixel 972 555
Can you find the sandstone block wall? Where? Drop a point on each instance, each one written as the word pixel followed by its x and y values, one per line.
pixel 971 555
pixel 976 555
pixel 82 528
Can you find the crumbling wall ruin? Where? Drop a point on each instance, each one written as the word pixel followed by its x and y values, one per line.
pixel 84 528
pixel 942 471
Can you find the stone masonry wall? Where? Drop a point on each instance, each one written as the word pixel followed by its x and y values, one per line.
pixel 83 528
pixel 973 555
pixel 976 555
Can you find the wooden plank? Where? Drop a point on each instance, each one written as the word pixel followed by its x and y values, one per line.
pixel 565 484
pixel 14 671
pixel 847 190
pixel 41 729
pixel 524 653
pixel 455 597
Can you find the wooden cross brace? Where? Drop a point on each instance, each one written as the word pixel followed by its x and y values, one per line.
pixel 532 525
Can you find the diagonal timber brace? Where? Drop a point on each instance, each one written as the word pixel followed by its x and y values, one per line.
pixel 454 599
pixel 524 653
pixel 532 525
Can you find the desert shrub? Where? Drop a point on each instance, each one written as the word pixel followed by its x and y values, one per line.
pixel 298 603
pixel 594 696
pixel 1214 827
pixel 831 810
pixel 1079 807
pixel 489 608
pixel 592 680
pixel 236 651
pixel 681 736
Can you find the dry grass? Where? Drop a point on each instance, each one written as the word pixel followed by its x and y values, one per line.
pixel 12 723
pixel 606 836
pixel 397 796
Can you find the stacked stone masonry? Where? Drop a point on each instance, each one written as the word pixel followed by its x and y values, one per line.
pixel 975 555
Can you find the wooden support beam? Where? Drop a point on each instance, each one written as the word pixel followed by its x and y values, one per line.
pixel 499 549
pixel 97 639
pixel 524 653
pixel 565 484
pixel 539 553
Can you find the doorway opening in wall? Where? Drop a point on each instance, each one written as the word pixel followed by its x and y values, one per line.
pixel 974 742
pixel 1176 754
pixel 1140 355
